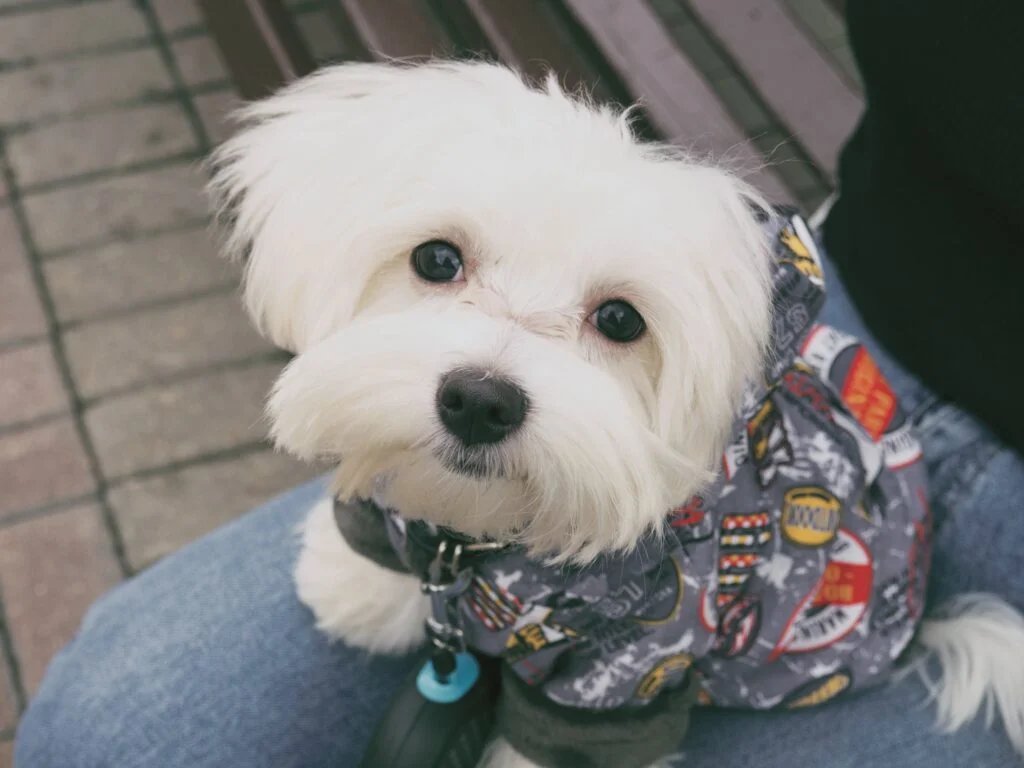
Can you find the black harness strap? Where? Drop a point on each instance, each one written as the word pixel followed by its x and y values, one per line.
pixel 362 525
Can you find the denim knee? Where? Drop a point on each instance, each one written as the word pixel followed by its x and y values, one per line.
pixel 168 668
pixel 81 711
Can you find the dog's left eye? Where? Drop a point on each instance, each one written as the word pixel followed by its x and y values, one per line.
pixel 437 261
pixel 618 320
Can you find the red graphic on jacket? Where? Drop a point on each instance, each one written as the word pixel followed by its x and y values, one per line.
pixel 836 605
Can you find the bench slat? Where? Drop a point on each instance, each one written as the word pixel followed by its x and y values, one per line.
pixel 524 38
pixel 261 46
pixel 670 88
pixel 468 39
pixel 395 28
pixel 793 77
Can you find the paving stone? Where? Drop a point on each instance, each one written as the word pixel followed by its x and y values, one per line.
pixel 175 15
pixel 181 421
pixel 30 385
pixel 145 346
pixel 159 514
pixel 21 312
pixel 61 87
pixel 36 35
pixel 110 140
pixel 124 206
pixel 52 568
pixel 130 274
pixel 321 37
pixel 213 110
pixel 42 464
pixel 199 61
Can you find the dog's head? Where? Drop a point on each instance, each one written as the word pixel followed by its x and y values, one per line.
pixel 510 316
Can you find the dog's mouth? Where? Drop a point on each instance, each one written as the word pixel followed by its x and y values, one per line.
pixel 475 463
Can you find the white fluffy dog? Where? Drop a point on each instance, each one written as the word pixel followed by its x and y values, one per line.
pixel 443 240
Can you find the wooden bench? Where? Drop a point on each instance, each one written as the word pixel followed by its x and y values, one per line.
pixel 744 80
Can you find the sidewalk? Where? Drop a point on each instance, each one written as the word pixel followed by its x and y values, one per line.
pixel 131 384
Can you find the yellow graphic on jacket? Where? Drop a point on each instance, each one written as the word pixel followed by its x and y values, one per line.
pixel 531 637
pixel 810 516
pixel 801 257
pixel 819 691
pixel 655 680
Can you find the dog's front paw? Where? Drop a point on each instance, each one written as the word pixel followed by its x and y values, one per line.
pixel 501 754
pixel 353 598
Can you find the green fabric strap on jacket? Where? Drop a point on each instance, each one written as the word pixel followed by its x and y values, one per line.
pixel 557 736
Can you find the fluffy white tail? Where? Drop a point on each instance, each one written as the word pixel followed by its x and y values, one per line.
pixel 978 642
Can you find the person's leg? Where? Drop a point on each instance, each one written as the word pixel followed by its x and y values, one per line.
pixel 889 726
pixel 976 484
pixel 209 660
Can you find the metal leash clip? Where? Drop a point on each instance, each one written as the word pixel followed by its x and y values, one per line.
pixel 446 580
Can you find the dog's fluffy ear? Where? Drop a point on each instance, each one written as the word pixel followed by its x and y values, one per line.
pixel 309 190
pixel 718 343
pixel 286 189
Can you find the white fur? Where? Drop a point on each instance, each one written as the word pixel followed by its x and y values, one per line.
pixel 556 208
pixel 353 598
pixel 979 647
pixel 500 754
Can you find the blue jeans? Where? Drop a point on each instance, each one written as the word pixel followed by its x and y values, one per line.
pixel 208 660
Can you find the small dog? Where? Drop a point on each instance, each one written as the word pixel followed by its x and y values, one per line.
pixel 516 322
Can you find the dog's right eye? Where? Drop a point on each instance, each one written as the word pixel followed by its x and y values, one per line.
pixel 437 261
pixel 618 320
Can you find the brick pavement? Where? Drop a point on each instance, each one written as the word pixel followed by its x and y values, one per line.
pixel 130 382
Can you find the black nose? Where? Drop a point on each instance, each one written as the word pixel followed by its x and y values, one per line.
pixel 478 407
